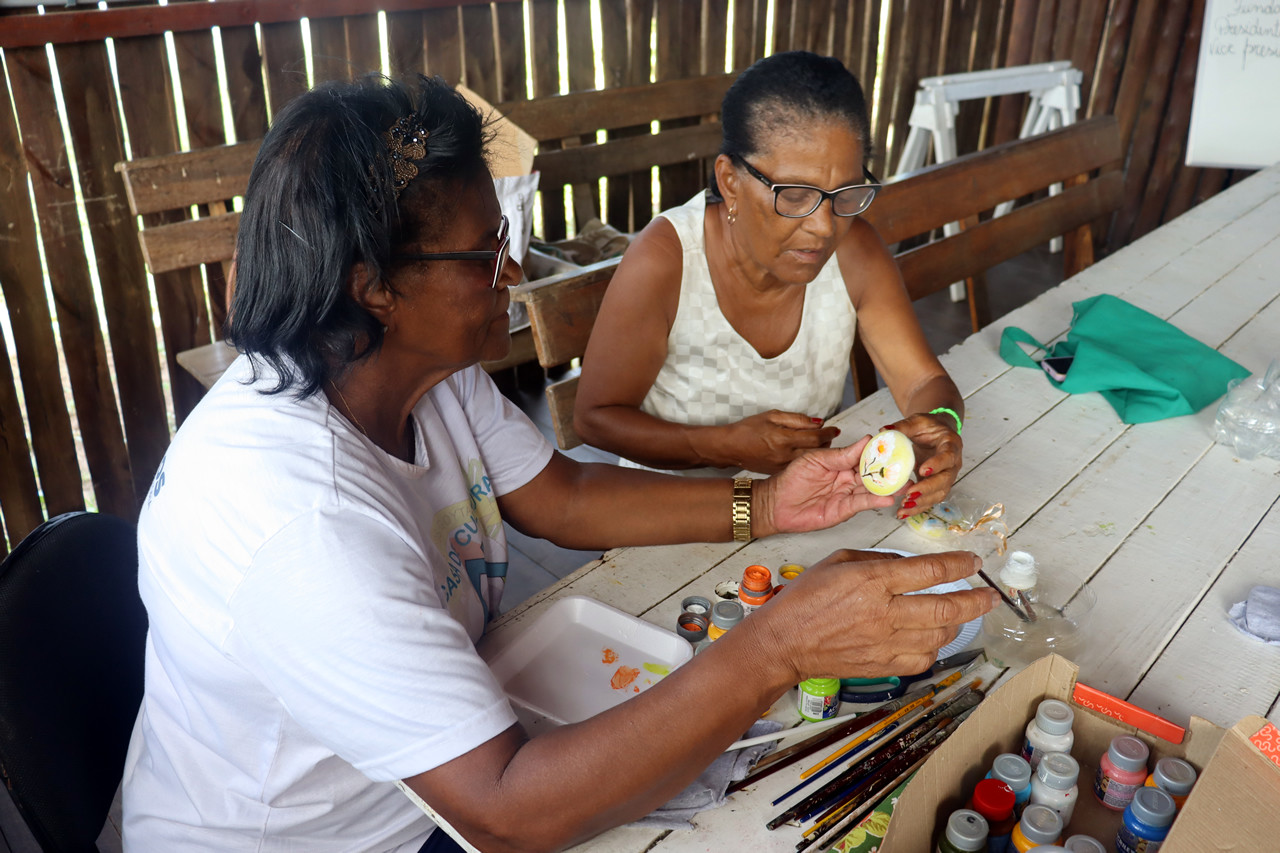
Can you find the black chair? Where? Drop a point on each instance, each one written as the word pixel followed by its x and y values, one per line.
pixel 72 631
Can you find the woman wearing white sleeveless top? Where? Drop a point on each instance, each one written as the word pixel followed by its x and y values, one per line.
pixel 726 335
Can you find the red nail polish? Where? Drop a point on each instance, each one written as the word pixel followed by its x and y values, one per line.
pixel 908 504
pixel 816 420
pixel 883 428
pixel 913 496
pixel 925 472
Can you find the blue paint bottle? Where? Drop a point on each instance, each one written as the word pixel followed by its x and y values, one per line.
pixel 1146 822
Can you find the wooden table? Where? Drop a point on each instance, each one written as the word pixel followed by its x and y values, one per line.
pixel 1169 528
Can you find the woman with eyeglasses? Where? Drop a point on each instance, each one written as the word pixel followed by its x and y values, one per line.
pixel 324 542
pixel 726 335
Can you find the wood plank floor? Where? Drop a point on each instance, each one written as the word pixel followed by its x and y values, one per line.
pixel 536 563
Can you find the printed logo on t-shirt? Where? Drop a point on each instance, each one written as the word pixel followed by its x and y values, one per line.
pixel 157 482
pixel 469 534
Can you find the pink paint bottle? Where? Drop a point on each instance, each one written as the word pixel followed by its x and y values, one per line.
pixel 1122 770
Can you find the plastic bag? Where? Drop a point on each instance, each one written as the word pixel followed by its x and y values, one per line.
pixel 1249 416
pixel 962 522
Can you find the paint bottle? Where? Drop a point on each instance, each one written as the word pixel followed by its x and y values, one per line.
pixel 1083 844
pixel 1121 771
pixel 1146 821
pixel 692 626
pixel 1175 777
pixel 786 574
pixel 1019 573
pixel 994 800
pixel 1014 771
pixel 966 832
pixel 1039 825
pixel 1054 784
pixel 1049 731
pixel 724 615
pixel 755 589
pixel 819 698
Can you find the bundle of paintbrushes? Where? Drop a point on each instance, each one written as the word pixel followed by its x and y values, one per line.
pixel 890 744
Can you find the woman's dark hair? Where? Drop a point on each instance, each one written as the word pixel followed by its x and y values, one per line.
pixel 321 199
pixel 783 89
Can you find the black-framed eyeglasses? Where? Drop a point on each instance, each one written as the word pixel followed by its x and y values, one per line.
pixel 796 201
pixel 498 256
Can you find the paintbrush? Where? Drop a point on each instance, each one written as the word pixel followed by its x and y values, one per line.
pixel 872 801
pixel 1026 605
pixel 889 777
pixel 786 757
pixel 920 728
pixel 1007 600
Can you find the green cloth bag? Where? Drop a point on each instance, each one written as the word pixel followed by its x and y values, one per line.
pixel 1145 367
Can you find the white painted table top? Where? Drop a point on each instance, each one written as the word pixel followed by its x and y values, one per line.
pixel 1169 528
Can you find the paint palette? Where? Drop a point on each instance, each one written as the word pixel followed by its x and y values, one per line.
pixel 968 631
pixel 581 657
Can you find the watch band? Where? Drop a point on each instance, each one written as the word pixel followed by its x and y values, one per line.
pixel 742 509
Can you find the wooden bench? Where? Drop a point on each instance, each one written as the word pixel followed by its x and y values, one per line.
pixel 164 189
pixel 967 189
pixel 562 309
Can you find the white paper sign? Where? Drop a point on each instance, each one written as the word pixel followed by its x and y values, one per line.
pixel 1235 112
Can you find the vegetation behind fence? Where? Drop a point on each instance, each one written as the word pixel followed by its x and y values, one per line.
pixel 146 79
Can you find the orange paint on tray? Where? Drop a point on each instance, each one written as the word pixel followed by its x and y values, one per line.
pixel 609 656
pixel 623 677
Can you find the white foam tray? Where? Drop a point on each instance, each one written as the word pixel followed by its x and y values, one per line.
pixel 581 657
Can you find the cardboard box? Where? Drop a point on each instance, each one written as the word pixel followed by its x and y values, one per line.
pixel 1235 804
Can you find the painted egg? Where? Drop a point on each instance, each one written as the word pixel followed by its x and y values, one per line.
pixel 887 462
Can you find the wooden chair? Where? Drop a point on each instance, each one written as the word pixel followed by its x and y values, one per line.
pixel 563 308
pixel 966 189
pixel 164 189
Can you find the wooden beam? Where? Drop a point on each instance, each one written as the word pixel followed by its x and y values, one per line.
pixel 30 30
pixel 561 116
pixel 585 163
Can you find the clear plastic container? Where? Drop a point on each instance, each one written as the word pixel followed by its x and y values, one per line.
pixel 1061 603
pixel 1249 416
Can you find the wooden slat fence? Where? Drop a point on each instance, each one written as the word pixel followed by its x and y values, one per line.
pixel 90 391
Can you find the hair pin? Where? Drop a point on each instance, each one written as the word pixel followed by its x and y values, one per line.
pixel 406 141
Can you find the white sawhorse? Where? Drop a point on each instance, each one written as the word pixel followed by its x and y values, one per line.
pixel 1054 89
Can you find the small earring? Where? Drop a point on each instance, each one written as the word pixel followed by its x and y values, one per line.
pixel 733 214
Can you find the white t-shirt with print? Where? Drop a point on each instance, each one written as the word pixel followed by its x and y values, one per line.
pixel 314 604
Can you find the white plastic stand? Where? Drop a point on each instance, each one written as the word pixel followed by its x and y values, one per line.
pixel 1054 89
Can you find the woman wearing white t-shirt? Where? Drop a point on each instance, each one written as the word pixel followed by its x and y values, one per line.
pixel 726 335
pixel 323 543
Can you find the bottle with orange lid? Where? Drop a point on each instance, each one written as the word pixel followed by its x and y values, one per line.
pixel 756 587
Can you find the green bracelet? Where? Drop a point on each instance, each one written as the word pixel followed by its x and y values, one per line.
pixel 944 410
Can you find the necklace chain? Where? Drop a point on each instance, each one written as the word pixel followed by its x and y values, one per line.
pixel 350 413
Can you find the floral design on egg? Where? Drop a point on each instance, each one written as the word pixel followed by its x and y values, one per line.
pixel 887 462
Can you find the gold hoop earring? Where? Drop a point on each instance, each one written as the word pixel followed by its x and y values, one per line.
pixel 733 214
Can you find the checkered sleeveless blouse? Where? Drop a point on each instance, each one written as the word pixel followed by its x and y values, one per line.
pixel 712 375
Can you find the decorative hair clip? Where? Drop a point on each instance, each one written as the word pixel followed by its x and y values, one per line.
pixel 406 141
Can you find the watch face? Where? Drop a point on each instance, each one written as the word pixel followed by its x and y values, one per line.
pixel 887 462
